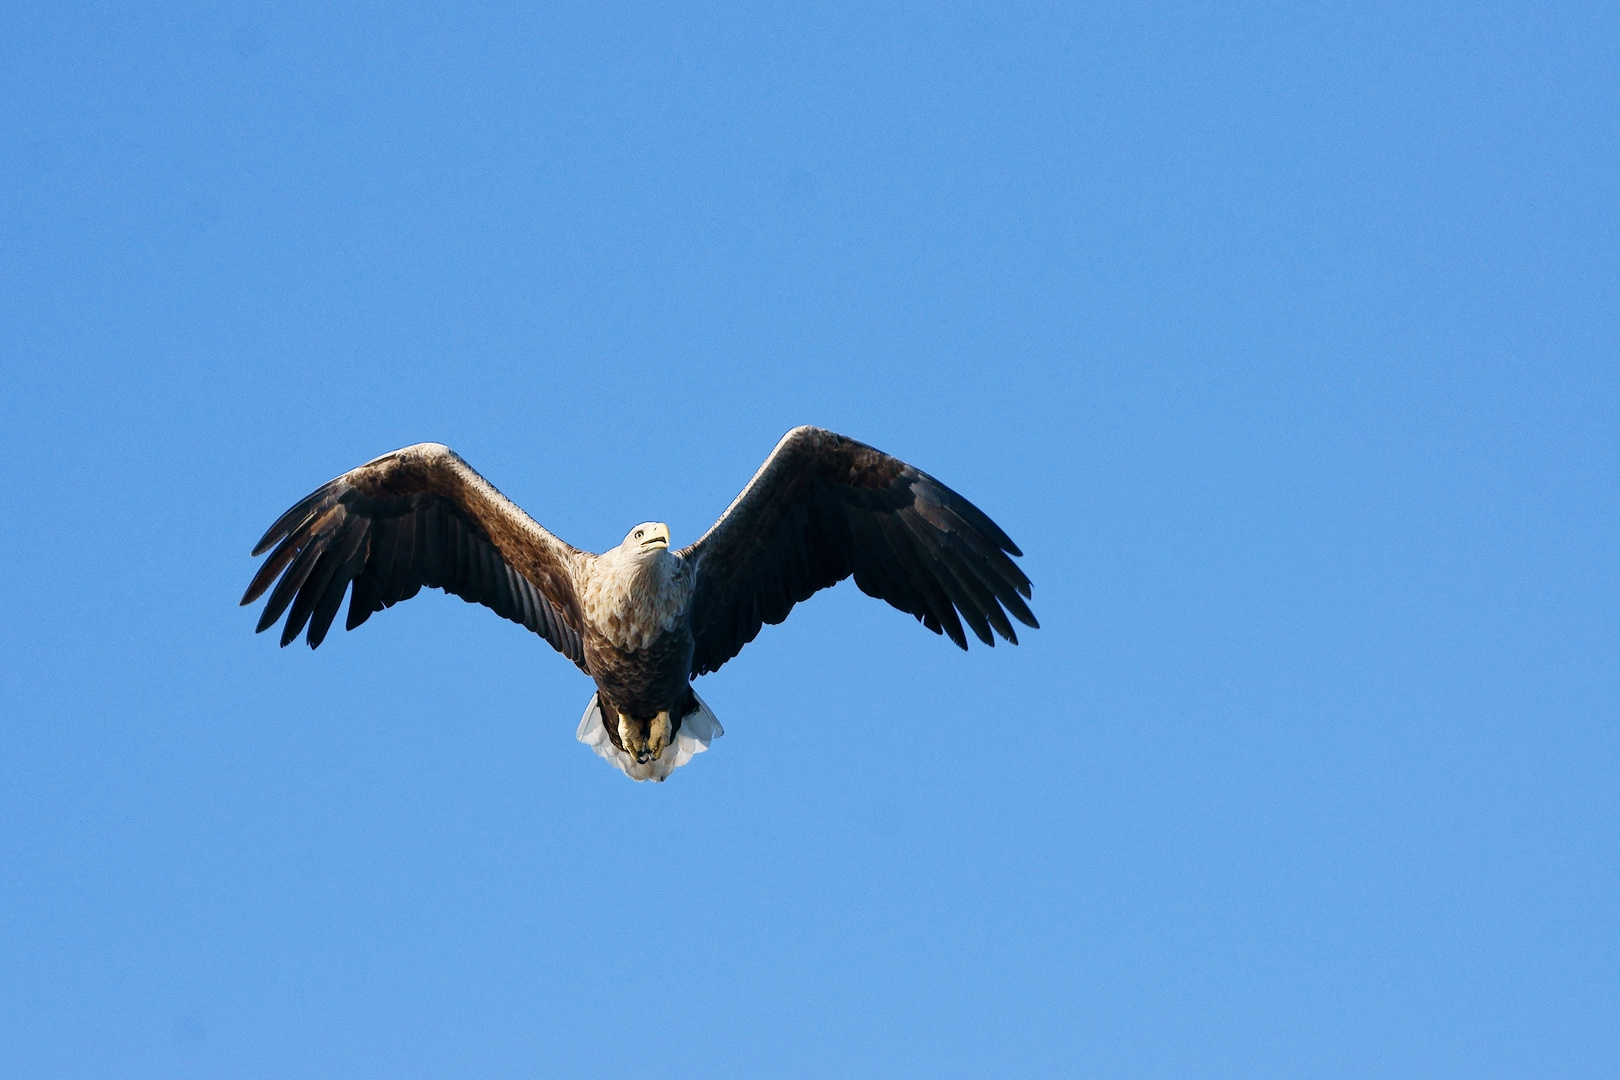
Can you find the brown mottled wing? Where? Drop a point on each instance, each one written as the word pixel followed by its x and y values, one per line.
pixel 419 516
pixel 824 507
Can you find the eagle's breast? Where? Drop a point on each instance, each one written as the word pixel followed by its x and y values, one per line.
pixel 634 598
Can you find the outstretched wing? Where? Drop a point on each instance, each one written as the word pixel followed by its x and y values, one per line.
pixel 823 507
pixel 418 516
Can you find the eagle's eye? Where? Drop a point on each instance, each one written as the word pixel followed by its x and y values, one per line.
pixel 638 534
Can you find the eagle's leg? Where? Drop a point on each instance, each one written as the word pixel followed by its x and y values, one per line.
pixel 645 740
pixel 631 739
pixel 658 735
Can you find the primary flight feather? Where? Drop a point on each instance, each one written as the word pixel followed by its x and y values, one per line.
pixel 643 620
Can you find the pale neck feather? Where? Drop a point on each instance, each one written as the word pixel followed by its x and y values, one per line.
pixel 632 596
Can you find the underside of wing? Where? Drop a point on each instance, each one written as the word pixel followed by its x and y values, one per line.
pixel 824 507
pixel 417 517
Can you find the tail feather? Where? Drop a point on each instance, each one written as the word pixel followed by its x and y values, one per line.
pixel 698 729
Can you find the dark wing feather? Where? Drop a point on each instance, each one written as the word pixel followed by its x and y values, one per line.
pixel 823 508
pixel 419 516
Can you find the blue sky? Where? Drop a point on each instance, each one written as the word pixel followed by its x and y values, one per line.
pixel 1281 338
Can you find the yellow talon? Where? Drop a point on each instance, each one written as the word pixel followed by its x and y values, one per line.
pixel 658 736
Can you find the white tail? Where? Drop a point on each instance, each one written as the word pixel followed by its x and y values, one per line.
pixel 698 729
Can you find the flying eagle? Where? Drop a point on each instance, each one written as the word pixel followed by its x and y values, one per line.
pixel 642 620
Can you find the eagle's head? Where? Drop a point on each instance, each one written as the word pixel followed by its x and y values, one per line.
pixel 648 536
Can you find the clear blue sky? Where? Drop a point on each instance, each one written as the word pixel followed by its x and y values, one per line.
pixel 1282 338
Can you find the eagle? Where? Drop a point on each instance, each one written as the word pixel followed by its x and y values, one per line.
pixel 641 620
